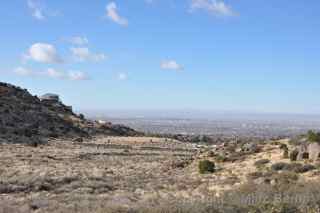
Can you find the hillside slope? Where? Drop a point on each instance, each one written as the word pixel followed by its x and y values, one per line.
pixel 25 118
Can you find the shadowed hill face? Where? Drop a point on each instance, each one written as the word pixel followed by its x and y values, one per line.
pixel 25 118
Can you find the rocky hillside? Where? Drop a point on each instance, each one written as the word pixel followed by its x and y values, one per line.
pixel 25 118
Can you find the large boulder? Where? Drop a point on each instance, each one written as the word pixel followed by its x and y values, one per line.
pixel 309 151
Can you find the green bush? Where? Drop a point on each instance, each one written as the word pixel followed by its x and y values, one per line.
pixel 206 166
pixel 294 155
pixel 313 136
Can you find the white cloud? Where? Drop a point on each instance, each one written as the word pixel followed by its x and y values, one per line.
pixel 51 73
pixel 77 40
pixel 112 14
pixel 44 53
pixel 22 71
pixel 171 65
pixel 122 76
pixel 83 54
pixel 215 7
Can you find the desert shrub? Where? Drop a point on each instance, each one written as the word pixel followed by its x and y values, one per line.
pixel 304 168
pixel 285 177
pixel 285 154
pixel 81 116
pixel 294 155
pixel 313 136
pixel 280 166
pixel 261 162
pixel 206 166
pixel 294 167
pixel 283 146
pixel 180 164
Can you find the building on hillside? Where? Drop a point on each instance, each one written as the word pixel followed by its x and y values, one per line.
pixel 50 97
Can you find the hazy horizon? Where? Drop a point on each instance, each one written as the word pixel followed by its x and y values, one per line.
pixel 189 113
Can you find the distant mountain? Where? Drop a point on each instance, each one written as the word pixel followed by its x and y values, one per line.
pixel 25 118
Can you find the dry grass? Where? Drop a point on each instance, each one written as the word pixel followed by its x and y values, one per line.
pixel 119 174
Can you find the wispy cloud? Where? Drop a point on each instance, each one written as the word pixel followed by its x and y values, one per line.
pixel 36 9
pixel 215 7
pixel 171 65
pixel 112 14
pixel 122 76
pixel 70 75
pixel 51 73
pixel 43 53
pixel 83 54
pixel 77 76
pixel 39 11
pixel 78 40
pixel 22 71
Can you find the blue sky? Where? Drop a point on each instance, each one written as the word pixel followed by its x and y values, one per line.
pixel 240 55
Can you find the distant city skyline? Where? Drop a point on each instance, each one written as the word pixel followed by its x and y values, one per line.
pixel 211 55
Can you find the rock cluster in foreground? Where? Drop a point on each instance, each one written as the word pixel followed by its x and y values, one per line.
pixel 25 118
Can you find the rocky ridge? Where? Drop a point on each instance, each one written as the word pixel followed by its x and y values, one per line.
pixel 25 118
